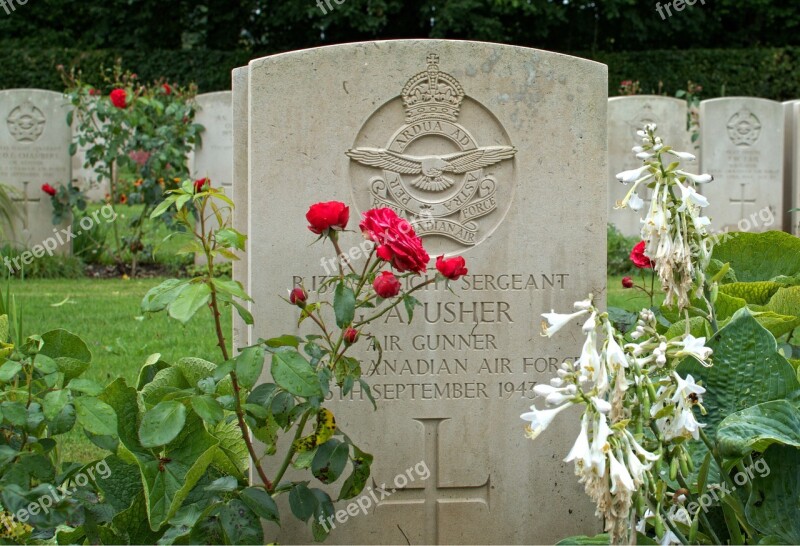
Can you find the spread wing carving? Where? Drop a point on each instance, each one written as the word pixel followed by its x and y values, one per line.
pixel 477 159
pixel 386 159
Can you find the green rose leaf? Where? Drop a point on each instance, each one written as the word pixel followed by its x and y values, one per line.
pixel 158 298
pixel 188 301
pixel 330 460
pixel 240 524
pixel 302 501
pixel 249 364
pixel 758 427
pixel 8 370
pixel 354 484
pixel 261 503
pixel 70 353
pixel 344 305
pixel 293 373
pixel 162 423
pixel 54 402
pixel 96 416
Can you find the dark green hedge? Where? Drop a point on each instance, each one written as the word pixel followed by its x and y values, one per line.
pixel 768 73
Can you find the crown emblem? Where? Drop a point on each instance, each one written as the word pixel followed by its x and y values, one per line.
pixel 432 95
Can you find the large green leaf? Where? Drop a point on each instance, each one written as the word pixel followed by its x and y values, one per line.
pixel 747 370
pixel 232 456
pixel 240 524
pixel 760 256
pixel 167 483
pixel 162 423
pixel 96 416
pixel 293 373
pixel 344 305
pixel 757 427
pixel 188 301
pixel 159 297
pixel 786 301
pixel 70 353
pixel 756 293
pixel 165 381
pixel 774 501
pixel 330 460
pixel 261 503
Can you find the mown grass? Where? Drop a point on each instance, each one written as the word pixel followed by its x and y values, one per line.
pixel 106 314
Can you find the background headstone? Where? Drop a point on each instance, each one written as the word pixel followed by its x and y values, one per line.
pixel 239 125
pixel 213 158
pixel 34 150
pixel 742 140
pixel 539 244
pixel 626 116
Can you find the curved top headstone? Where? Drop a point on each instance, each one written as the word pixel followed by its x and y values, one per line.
pixel 494 152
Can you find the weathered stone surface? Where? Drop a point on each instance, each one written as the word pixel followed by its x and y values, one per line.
pixel 34 150
pixel 530 223
pixel 626 116
pixel 742 143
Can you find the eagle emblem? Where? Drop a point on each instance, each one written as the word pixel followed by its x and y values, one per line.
pixel 441 192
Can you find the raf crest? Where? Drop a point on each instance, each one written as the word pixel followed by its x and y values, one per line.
pixel 440 193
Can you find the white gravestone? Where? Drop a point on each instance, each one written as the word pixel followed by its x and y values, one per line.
pixel 34 150
pixel 531 224
pixel 791 167
pixel 742 140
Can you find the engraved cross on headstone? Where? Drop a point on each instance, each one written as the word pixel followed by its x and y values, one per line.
pixel 431 492
pixel 742 201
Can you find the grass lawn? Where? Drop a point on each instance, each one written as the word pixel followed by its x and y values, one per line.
pixel 631 299
pixel 106 315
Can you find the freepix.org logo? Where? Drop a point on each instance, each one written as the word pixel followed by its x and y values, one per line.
pixel 10 6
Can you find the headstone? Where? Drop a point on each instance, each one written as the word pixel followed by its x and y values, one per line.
pixel 239 126
pixel 531 225
pixel 34 150
pixel 213 158
pixel 626 116
pixel 742 142
pixel 791 167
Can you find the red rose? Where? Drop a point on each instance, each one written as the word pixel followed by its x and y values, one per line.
pixel 167 89
pixel 397 242
pixel 627 282
pixel 298 297
pixel 639 259
pixel 49 190
pixel 386 285
pixel 452 268
pixel 350 336
pixel 119 98
pixel 200 183
pixel 324 216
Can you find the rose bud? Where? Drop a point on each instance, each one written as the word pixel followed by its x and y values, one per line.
pixel 386 285
pixel 627 282
pixel 201 183
pixel 326 216
pixel 452 268
pixel 298 297
pixel 350 336
pixel 49 190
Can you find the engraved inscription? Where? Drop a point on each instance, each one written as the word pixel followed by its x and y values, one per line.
pixel 441 194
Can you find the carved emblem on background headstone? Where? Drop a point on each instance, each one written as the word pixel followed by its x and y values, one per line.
pixel 643 118
pixel 26 122
pixel 744 128
pixel 439 193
